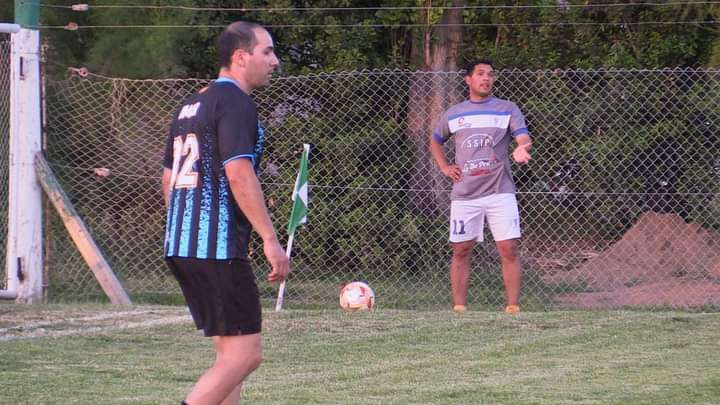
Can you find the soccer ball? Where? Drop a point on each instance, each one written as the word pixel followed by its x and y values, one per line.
pixel 357 296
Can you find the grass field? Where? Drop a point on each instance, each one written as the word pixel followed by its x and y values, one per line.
pixel 152 354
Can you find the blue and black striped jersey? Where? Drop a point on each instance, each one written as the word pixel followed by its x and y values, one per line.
pixel 210 129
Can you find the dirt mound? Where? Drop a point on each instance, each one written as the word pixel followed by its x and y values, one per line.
pixel 660 261
pixel 667 294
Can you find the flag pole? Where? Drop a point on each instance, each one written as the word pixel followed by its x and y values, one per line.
pixel 281 290
pixel 298 215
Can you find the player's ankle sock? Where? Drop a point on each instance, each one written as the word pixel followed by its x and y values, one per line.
pixel 459 308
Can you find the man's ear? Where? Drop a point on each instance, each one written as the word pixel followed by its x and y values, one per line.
pixel 239 57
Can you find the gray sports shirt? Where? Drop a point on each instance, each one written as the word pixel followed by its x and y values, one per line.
pixel 482 131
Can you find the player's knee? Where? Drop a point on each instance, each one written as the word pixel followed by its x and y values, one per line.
pixel 462 251
pixel 508 251
pixel 255 361
pixel 251 361
pixel 241 365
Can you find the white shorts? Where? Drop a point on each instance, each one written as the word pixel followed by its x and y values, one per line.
pixel 467 218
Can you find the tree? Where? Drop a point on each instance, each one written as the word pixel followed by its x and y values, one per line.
pixel 311 40
pixel 438 48
pixel 593 37
pixel 7 12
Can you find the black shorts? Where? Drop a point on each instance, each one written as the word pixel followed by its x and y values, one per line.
pixel 221 294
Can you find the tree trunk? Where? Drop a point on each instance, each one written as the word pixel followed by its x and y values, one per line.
pixel 430 94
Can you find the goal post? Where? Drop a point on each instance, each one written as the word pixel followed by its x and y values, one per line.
pixel 9 28
pixel 24 251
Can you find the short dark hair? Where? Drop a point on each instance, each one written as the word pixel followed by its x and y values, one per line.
pixel 238 35
pixel 470 67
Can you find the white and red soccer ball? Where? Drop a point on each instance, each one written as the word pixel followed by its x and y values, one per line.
pixel 357 296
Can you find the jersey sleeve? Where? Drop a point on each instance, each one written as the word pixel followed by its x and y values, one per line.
pixel 441 133
pixel 517 122
pixel 236 129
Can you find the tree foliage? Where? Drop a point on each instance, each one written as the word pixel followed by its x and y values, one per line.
pixel 383 35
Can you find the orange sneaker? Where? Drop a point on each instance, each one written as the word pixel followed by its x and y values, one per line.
pixel 459 308
pixel 512 309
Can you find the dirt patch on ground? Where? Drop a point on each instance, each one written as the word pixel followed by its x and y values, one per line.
pixel 29 322
pixel 660 261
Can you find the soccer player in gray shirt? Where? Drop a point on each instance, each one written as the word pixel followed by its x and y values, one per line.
pixel 483 187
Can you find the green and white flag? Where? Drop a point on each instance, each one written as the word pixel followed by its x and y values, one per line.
pixel 300 194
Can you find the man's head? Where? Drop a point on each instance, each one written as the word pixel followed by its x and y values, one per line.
pixel 480 78
pixel 247 53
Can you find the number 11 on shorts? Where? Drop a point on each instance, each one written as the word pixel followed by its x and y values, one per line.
pixel 458 227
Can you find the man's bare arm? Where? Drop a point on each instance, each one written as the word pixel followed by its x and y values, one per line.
pixel 438 154
pixel 166 176
pixel 246 189
pixel 521 154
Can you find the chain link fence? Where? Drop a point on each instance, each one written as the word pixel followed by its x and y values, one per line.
pixel 620 205
pixel 4 150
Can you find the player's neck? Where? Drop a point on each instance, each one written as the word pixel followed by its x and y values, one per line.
pixel 238 79
pixel 476 98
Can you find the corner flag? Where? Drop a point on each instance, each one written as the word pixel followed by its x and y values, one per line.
pixel 300 194
pixel 298 215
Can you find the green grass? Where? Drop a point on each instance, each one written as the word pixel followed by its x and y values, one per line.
pixel 100 354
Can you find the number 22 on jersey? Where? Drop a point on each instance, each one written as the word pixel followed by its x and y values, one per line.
pixel 183 176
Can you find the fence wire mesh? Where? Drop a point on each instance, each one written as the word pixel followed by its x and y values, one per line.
pixel 620 204
pixel 4 149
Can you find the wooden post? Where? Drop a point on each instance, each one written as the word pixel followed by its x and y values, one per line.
pixel 79 233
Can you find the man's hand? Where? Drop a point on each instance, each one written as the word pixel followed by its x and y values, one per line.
pixel 278 261
pixel 437 153
pixel 520 154
pixel 452 171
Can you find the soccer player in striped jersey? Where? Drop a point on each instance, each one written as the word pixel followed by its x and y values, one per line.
pixel 483 127
pixel 214 200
